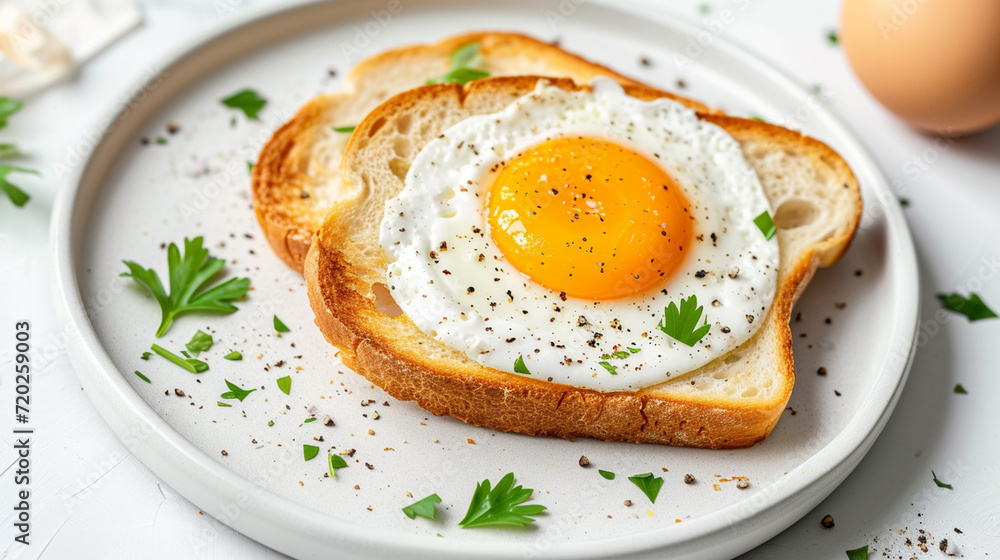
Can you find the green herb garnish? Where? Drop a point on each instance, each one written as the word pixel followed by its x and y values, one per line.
pixel 161 140
pixel 227 405
pixel 235 392
pixel 973 307
pixel 606 474
pixel 8 151
pixel 904 202
pixel 634 350
pixel 344 129
pixel 285 384
pixel 766 225
pixel 500 506
pixel 939 483
pixel 8 107
pixel 190 364
pixel 682 324
pixel 832 37
pixel 200 342
pixel 279 326
pixel 143 377
pixel 309 452
pixel 466 66
pixel 611 369
pixel 249 166
pixel 270 423
pixel 335 462
pixel 16 195
pixel 145 356
pixel 858 553
pixel 649 484
pixel 960 390
pixel 248 101
pixel 423 507
pixel 519 366
pixel 234 356
pixel 758 118
pixel 190 275
pixel 621 355
pixel 308 420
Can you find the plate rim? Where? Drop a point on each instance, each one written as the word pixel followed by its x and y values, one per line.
pixel 174 456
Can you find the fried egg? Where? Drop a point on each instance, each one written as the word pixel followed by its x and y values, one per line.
pixel 552 239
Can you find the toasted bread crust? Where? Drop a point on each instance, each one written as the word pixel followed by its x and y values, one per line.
pixel 281 184
pixel 371 342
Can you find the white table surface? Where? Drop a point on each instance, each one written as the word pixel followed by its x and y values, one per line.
pixel 92 499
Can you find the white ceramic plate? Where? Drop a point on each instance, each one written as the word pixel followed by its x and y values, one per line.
pixel 129 198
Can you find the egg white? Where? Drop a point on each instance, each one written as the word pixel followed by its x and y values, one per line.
pixel 449 278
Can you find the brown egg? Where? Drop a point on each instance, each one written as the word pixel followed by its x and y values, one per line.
pixel 935 63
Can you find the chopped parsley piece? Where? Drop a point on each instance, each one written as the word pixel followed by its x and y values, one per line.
pixel 423 508
pixel 649 484
pixel 682 324
pixel 8 107
pixel 235 392
pixel 621 354
pixel 248 101
pixel 15 194
pixel 200 342
pixel 249 166
pixel 466 66
pixel 858 553
pixel 606 474
pixel 190 364
pixel 143 377
pixel 939 483
pixel 234 356
pixel 904 202
pixel 634 350
pixel 309 452
pixel 335 462
pixel 832 37
pixel 270 423
pixel 973 307
pixel 611 369
pixel 145 356
pixel 279 326
pixel 500 506
pixel 161 140
pixel 766 225
pixel 519 366
pixel 344 129
pixel 190 275
pixel 758 118
pixel 960 390
pixel 9 151
pixel 308 420
pixel 285 384
pixel 227 405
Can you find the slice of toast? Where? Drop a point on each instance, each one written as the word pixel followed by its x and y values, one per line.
pixel 733 401
pixel 297 175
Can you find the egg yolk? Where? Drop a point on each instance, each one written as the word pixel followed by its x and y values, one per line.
pixel 590 218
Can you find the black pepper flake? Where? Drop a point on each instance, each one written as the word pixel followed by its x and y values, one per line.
pixel 224 453
pixel 369 466
pixel 700 274
pixel 645 61
pixel 725 330
pixel 443 246
pixel 689 478
pixel 584 461
pixel 827 521
pixel 470 290
pixel 821 371
pixel 836 392
pixel 562 296
pixel 304 194
pixel 174 128
pixel 178 392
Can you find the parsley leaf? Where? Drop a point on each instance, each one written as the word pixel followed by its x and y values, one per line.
pixel 247 100
pixel 9 151
pixel 611 369
pixel 285 384
pixel 466 66
pixel 344 129
pixel 189 277
pixel 519 366
pixel 500 505
pixel 649 484
pixel 606 474
pixel 8 107
pixel 832 37
pixel 226 405
pixel 200 342
pixel 145 356
pixel 249 166
pixel 766 225
pixel 858 553
pixel 423 508
pixel 960 390
pixel 16 195
pixel 309 452
pixel 939 483
pixel 234 356
pixel 335 462
pixel 308 420
pixel 235 392
pixel 621 354
pixel 635 350
pixel 279 326
pixel 973 307
pixel 682 324
pixel 190 364
pixel 143 377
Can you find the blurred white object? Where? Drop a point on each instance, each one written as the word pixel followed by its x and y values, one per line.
pixel 44 41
